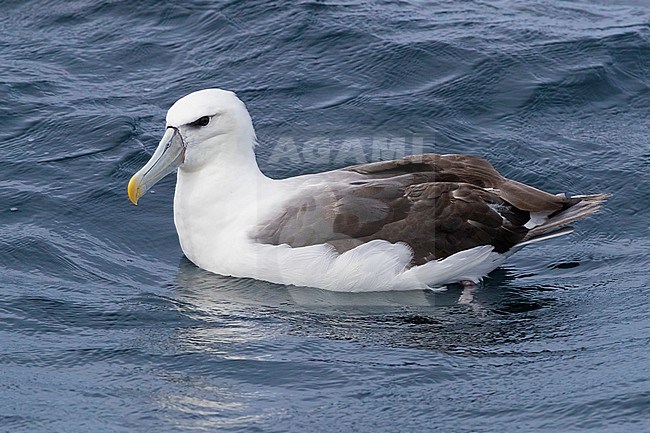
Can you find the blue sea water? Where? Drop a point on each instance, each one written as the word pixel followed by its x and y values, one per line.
pixel 104 326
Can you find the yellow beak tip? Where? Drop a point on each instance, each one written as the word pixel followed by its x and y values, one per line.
pixel 133 190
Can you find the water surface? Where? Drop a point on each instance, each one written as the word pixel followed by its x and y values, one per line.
pixel 104 326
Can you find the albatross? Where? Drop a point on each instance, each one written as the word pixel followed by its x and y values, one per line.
pixel 423 221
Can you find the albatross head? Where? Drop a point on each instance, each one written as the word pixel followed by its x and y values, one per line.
pixel 201 127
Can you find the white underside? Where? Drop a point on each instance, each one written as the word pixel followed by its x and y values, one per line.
pixel 214 224
pixel 374 266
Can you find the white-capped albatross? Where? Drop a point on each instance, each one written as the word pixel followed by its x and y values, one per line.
pixel 417 222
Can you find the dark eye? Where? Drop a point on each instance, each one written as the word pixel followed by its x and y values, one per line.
pixel 203 121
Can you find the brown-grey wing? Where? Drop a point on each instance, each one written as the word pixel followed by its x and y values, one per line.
pixel 470 169
pixel 336 212
pixel 436 219
pixel 447 217
pixel 437 168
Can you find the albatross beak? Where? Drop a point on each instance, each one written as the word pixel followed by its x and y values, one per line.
pixel 169 155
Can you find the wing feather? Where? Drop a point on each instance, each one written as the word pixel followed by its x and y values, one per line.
pixel 436 204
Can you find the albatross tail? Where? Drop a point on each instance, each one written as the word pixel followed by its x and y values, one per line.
pixel 556 224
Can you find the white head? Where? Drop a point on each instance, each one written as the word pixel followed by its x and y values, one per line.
pixel 211 122
pixel 202 127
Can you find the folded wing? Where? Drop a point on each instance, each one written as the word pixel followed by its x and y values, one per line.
pixel 436 204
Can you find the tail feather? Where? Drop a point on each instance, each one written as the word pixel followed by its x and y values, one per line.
pixel 543 236
pixel 585 206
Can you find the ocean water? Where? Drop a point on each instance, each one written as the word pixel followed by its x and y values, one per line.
pixel 104 326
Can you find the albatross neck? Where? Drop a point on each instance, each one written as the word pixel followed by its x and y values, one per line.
pixel 214 203
pixel 234 168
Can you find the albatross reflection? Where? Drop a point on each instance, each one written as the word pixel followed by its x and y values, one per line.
pixel 236 310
